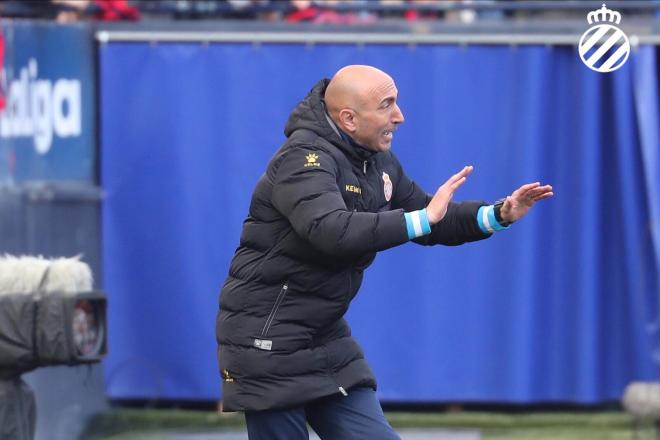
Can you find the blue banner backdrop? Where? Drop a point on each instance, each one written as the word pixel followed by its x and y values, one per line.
pixel 555 309
pixel 47 131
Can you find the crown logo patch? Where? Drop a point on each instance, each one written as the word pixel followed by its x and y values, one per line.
pixel 312 160
pixel 604 47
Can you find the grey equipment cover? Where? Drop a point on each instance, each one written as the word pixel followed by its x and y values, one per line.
pixel 17 411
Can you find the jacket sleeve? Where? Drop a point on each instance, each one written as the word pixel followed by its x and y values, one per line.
pixel 458 226
pixel 305 191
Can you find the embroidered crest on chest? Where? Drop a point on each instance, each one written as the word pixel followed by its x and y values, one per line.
pixel 387 186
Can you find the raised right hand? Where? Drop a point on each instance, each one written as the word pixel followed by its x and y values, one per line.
pixel 437 208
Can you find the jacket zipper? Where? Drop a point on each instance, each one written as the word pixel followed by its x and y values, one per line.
pixel 364 167
pixel 271 316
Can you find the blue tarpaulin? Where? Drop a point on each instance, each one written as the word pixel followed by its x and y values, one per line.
pixel 560 307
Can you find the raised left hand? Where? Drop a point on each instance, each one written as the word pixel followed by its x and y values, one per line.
pixel 521 200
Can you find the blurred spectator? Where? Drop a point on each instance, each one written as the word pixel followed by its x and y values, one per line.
pixel 207 9
pixel 304 10
pixel 416 14
pixel 391 8
pixel 71 10
pixel 249 9
pixel 343 12
pixel 22 9
pixel 114 10
pixel 65 11
pixel 462 15
pixel 104 10
pixel 322 12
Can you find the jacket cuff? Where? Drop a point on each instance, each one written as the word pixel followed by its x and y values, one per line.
pixel 487 221
pixel 417 223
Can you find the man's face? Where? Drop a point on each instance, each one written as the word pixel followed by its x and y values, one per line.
pixel 378 116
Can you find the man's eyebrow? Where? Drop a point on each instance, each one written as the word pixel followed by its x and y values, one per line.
pixel 388 100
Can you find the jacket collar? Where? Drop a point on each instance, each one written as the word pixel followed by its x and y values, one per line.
pixel 360 151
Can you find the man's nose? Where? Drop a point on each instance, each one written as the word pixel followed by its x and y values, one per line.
pixel 397 116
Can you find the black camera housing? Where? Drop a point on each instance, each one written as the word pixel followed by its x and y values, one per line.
pixel 55 328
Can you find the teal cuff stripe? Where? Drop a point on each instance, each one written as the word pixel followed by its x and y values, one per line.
pixel 480 222
pixel 486 220
pixel 417 223
pixel 424 218
pixel 493 221
pixel 409 226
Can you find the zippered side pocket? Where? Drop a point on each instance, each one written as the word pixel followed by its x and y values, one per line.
pixel 264 344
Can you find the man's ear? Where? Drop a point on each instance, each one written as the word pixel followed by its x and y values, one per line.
pixel 347 120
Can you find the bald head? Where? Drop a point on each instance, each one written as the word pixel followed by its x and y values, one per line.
pixel 361 100
pixel 351 87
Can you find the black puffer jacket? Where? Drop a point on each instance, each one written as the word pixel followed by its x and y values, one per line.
pixel 318 216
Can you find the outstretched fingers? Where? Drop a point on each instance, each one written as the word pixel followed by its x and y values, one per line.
pixel 521 200
pixel 454 186
pixel 523 190
pixel 541 191
pixel 459 178
pixel 532 191
pixel 461 174
pixel 545 195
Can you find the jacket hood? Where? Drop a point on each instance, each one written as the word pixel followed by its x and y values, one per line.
pixel 310 114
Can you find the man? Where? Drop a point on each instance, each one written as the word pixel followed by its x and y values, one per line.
pixel 331 197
